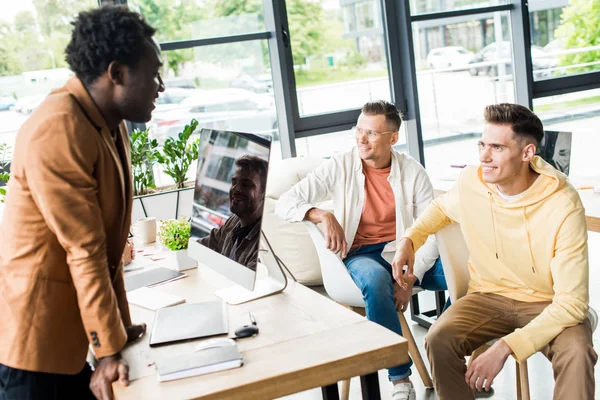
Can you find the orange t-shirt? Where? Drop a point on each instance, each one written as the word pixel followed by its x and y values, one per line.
pixel 378 220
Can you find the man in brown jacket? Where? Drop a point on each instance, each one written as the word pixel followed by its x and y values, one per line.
pixel 67 216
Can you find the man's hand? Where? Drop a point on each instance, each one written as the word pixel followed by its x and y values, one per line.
pixel 402 296
pixel 129 252
pixel 109 369
pixel 405 255
pixel 484 368
pixel 335 240
pixel 135 332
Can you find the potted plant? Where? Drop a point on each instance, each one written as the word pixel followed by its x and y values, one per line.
pixel 4 172
pixel 143 157
pixel 174 234
pixel 175 157
pixel 178 154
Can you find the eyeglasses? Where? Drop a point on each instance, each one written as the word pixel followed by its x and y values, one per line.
pixel 372 136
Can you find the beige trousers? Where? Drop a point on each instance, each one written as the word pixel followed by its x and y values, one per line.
pixel 478 318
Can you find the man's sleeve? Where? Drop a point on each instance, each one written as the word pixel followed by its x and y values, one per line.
pixel 213 240
pixel 119 287
pixel 426 256
pixel 570 274
pixel 442 211
pixel 293 205
pixel 59 170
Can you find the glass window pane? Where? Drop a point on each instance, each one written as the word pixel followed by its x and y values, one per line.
pixel 193 19
pixel 339 54
pixel 461 68
pixel 575 113
pixel 33 37
pixel 337 142
pixel 434 6
pixel 564 37
pixel 226 86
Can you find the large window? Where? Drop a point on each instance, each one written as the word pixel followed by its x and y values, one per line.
pixel 564 37
pixel 462 67
pixel 193 19
pixel 578 113
pixel 338 54
pixel 33 37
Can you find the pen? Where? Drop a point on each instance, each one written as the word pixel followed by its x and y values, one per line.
pixel 252 318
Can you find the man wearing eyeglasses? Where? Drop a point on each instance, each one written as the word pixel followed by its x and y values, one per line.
pixel 377 193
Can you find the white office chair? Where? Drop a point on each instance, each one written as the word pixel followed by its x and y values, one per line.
pixel 454 256
pixel 341 288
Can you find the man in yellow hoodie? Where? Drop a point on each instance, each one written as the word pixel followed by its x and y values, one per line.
pixel 524 226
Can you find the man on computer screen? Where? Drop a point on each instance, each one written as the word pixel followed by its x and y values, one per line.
pixel 377 192
pixel 238 238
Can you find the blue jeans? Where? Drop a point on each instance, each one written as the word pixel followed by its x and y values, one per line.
pixel 373 275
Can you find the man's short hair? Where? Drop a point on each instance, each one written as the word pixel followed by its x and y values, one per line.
pixel 382 107
pixel 523 122
pixel 103 35
pixel 254 164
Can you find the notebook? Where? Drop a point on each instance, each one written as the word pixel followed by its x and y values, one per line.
pixel 151 277
pixel 189 321
pixel 198 363
pixel 152 299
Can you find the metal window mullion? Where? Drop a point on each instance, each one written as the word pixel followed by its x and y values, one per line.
pixel 186 44
pixel 566 84
pixel 521 48
pixel 403 75
pixel 282 70
pixel 460 13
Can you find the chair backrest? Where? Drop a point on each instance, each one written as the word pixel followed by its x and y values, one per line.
pixel 336 278
pixel 454 256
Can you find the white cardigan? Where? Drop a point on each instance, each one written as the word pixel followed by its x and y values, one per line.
pixel 341 177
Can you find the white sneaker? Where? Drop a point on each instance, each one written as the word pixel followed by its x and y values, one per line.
pixel 404 391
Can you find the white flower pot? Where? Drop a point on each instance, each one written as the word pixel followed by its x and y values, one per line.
pixel 180 261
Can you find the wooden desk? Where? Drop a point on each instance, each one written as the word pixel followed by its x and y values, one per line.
pixel 305 341
pixel 590 200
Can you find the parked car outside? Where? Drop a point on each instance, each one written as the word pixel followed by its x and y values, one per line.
pixel 541 61
pixel 172 97
pixel 262 84
pixel 6 103
pixel 228 109
pixel 448 57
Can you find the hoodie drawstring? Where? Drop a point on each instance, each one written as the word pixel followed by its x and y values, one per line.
pixel 493 225
pixel 529 241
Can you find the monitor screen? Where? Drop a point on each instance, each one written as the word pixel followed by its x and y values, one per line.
pixel 229 196
pixel 556 150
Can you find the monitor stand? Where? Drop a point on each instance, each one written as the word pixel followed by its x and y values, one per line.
pixel 274 282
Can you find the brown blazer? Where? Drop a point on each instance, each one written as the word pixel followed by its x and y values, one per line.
pixel 65 224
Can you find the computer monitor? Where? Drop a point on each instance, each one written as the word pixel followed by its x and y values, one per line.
pixel 556 150
pixel 228 205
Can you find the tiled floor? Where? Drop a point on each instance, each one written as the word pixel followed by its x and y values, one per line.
pixel 541 382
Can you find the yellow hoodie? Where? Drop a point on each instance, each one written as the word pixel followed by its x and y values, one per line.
pixel 533 249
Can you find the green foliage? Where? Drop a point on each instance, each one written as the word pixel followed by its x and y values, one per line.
pixel 178 154
pixel 175 233
pixel 354 60
pixel 306 20
pixel 143 157
pixel 4 176
pixel 580 22
pixel 173 20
